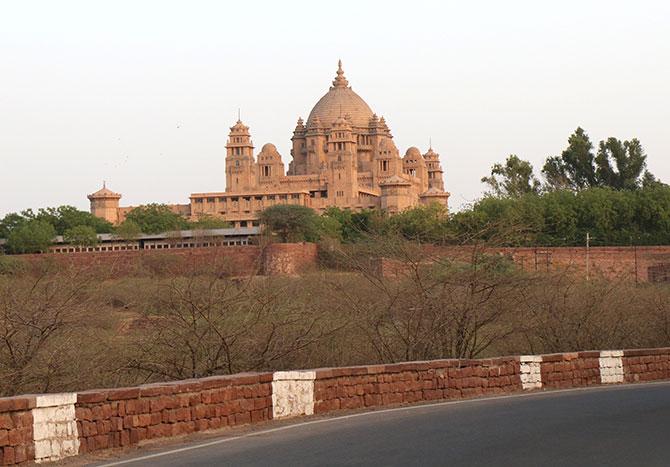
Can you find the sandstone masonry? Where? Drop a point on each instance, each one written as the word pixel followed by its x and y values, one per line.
pixel 49 427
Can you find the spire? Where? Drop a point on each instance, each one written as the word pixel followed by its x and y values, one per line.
pixel 340 81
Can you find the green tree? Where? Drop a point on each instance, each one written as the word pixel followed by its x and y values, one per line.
pixel 33 236
pixel 291 223
pixel 81 235
pixel 209 222
pixel 156 218
pixel 10 222
pixel 619 165
pixel 513 179
pixel 422 223
pixel 574 169
pixel 128 230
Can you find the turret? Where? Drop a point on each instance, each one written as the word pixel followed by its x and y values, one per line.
pixel 270 165
pixel 435 172
pixel 240 166
pixel 105 204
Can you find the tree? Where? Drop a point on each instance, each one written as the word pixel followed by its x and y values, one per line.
pixel 33 236
pixel 81 235
pixel 514 179
pixel 156 218
pixel 291 222
pixel 128 230
pixel 61 218
pixel 574 169
pixel 10 222
pixel 207 222
pixel 629 159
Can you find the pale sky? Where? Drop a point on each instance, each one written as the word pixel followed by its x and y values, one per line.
pixel 142 93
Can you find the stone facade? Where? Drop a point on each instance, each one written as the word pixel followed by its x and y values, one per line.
pixel 343 156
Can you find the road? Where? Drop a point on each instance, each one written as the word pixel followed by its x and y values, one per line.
pixel 616 425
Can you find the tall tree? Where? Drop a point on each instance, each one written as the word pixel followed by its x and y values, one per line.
pixel 291 222
pixel 620 165
pixel 81 235
pixel 156 218
pixel 574 169
pixel 33 236
pixel 513 179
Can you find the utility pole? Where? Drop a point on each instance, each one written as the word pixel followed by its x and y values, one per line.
pixel 588 244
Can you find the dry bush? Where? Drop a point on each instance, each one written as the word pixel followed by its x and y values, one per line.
pixel 43 327
pixel 208 324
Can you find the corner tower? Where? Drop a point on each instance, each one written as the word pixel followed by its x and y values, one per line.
pixel 105 204
pixel 240 166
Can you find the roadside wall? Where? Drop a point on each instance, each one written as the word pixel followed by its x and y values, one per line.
pixel 49 427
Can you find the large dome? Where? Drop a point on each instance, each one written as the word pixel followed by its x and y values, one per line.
pixel 340 100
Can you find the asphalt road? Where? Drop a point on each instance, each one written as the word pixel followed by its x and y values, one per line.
pixel 617 425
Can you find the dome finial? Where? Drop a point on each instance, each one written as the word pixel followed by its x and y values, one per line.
pixel 340 81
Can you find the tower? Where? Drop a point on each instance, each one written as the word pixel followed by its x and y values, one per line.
pixel 342 161
pixel 435 172
pixel 105 204
pixel 240 167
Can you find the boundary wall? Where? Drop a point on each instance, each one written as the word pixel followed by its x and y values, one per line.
pixel 49 427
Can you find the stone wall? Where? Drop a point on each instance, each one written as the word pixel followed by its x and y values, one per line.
pixel 126 416
pixel 50 427
pixel 16 430
pixel 275 258
pixel 289 258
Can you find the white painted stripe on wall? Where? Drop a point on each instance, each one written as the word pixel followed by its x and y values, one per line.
pixel 292 393
pixel 531 376
pixel 55 427
pixel 611 366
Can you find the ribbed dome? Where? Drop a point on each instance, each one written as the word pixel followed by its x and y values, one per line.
pixel 339 101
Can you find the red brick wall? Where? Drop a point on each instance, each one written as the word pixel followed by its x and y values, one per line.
pixel 646 364
pixel 122 417
pixel 289 258
pixel 569 370
pixel 278 258
pixel 611 262
pixel 126 416
pixel 376 385
pixel 16 430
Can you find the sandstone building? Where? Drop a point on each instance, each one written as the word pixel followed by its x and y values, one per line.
pixel 343 155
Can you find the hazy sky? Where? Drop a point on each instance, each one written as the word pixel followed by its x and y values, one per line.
pixel 142 93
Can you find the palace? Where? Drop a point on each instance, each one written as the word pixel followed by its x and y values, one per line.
pixel 343 156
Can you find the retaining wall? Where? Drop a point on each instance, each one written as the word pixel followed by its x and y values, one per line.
pixel 49 427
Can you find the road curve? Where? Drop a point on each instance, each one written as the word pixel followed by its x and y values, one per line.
pixel 617 425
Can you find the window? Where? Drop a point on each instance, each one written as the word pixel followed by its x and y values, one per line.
pixel 295 196
pixel 210 200
pixel 258 198
pixel 266 170
pixel 385 165
pixel 235 199
pixel 198 200
pixel 237 163
pixel 271 197
pixel 222 200
pixel 324 194
pixel 283 197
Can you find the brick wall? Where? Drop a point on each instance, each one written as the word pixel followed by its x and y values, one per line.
pixel 279 258
pixel 289 258
pixel 54 426
pixel 643 263
pixel 16 430
pixel 125 416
